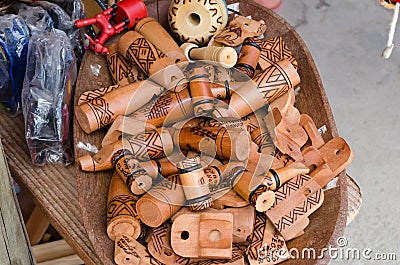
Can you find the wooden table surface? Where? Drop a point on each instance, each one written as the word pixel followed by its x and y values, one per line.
pixel 54 188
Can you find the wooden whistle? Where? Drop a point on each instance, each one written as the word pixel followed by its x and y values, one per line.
pixel 200 90
pixel 132 173
pixel 195 184
pixel 203 235
pixel 264 88
pixel 273 51
pixel 103 110
pixel 161 69
pixel 123 225
pixel 249 56
pixel 224 56
pixel 229 144
pixel 155 33
pixel 121 72
pixel 161 202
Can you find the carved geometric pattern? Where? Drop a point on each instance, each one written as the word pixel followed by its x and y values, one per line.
pixel 256 193
pixel 256 238
pixel 147 145
pixel 198 206
pixel 144 54
pixel 122 205
pixel 273 83
pixel 118 67
pixel 101 111
pixel 273 51
pixel 88 96
pixel 289 187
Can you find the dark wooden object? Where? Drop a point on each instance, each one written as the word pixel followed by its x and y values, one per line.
pixel 311 100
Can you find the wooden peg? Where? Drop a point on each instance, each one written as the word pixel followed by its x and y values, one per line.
pixel 249 56
pixel 225 144
pixel 274 179
pixel 121 72
pixel 267 246
pixel 162 201
pixel 156 168
pixel 123 225
pixel 162 70
pixel 311 129
pixel 197 22
pixel 273 51
pixel 195 184
pixel 132 173
pixel 102 160
pixel 203 235
pixel 155 33
pixel 250 188
pixel 103 110
pixel 200 90
pixel 239 29
pixel 222 56
pixel 264 88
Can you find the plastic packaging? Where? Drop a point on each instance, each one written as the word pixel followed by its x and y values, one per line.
pixel 14 39
pixel 47 97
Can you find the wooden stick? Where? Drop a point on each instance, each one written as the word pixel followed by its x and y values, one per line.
pixel 274 179
pixel 222 56
pixel 67 260
pixel 161 202
pixel 36 226
pixel 157 35
pixel 52 251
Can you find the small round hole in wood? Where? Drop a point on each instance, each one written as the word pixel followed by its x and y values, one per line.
pixel 338 152
pixel 185 235
pixel 194 19
pixel 214 236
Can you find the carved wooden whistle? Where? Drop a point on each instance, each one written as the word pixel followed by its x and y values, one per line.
pixel 249 56
pixel 224 56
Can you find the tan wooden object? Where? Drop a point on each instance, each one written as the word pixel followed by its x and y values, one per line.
pixel 221 56
pixel 123 225
pixel 103 110
pixel 197 22
pixel 36 226
pixel 195 184
pixel 156 34
pixel 161 202
pixel 203 235
pixel 200 90
pixel 226 144
pixel 239 29
pixel 121 72
pixel 52 251
pixel 136 49
pixel 264 88
pixel 273 50
pixel 249 56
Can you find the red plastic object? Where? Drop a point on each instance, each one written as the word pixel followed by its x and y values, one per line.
pixel 125 14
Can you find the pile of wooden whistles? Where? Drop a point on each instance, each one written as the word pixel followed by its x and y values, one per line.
pixel 210 154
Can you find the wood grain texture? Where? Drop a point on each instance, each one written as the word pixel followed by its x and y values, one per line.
pixel 312 100
pixel 52 187
pixel 14 242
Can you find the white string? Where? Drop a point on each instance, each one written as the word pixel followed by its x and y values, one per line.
pixel 390 45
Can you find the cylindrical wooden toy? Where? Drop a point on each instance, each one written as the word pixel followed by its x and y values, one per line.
pixel 274 179
pixel 135 48
pixel 132 173
pixel 157 168
pixel 264 88
pixel 121 72
pixel 249 56
pixel 224 56
pixel 151 144
pixel 250 188
pixel 102 160
pixel 103 110
pixel 200 91
pixel 161 202
pixel 157 35
pixel 226 144
pixel 88 96
pixel 122 219
pixel 197 22
pixel 195 184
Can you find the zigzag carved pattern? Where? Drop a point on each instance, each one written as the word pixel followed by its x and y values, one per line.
pixel 161 107
pixel 275 50
pixel 273 83
pixel 118 67
pixel 122 205
pixel 169 184
pixel 289 187
pixel 102 112
pixel 147 145
pixel 307 207
pixel 256 238
pixel 198 206
pixel 88 96
pixel 144 54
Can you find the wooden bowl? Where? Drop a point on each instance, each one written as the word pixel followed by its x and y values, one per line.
pixel 326 224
